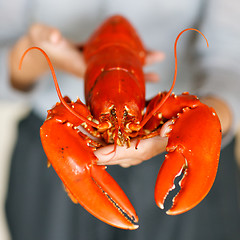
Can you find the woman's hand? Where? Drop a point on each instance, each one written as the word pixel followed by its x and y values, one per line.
pixel 222 109
pixel 63 54
pixel 127 157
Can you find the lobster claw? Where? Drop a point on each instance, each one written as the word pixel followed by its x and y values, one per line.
pixel 193 150
pixel 87 183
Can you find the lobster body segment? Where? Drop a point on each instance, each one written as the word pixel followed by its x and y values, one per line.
pixel 118 83
pixel 114 113
pixel 115 56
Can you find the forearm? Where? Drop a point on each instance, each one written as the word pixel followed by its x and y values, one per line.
pixel 222 109
pixel 63 54
pixel 33 66
pixel 217 67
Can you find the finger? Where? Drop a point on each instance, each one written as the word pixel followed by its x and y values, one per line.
pixel 74 63
pixel 147 148
pixel 55 36
pixel 125 165
pixel 166 128
pixel 130 162
pixel 154 56
pixel 151 77
pixel 42 33
pixel 122 162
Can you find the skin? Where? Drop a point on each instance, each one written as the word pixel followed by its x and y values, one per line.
pixel 66 57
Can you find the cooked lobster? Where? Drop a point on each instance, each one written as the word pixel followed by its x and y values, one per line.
pixel 115 112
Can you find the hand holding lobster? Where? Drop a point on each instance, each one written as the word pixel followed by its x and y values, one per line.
pixel 65 55
pixel 115 99
pixel 126 157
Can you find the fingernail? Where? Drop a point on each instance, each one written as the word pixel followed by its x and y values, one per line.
pixel 54 37
pixel 166 128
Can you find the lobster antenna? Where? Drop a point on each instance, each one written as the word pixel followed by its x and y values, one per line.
pixel 57 86
pixel 163 100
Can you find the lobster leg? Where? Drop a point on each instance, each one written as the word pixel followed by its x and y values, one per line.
pixel 193 150
pixel 75 163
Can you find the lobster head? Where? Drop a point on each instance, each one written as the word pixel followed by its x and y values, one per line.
pixel 118 115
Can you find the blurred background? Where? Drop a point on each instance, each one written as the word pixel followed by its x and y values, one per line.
pixel 33 204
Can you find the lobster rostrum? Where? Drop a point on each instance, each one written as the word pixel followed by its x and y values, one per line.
pixel 115 112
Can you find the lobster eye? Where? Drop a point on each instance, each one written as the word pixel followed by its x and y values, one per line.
pixel 113 112
pixel 125 113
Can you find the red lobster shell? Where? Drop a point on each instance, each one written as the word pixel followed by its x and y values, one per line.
pixel 114 113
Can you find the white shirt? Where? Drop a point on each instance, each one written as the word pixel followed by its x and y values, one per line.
pixel 202 70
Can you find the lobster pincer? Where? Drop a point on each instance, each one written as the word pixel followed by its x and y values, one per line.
pixel 70 152
pixel 194 140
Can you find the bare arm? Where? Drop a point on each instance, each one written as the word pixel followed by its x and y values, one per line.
pixel 63 53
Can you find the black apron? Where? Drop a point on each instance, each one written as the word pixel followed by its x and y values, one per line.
pixel 38 208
